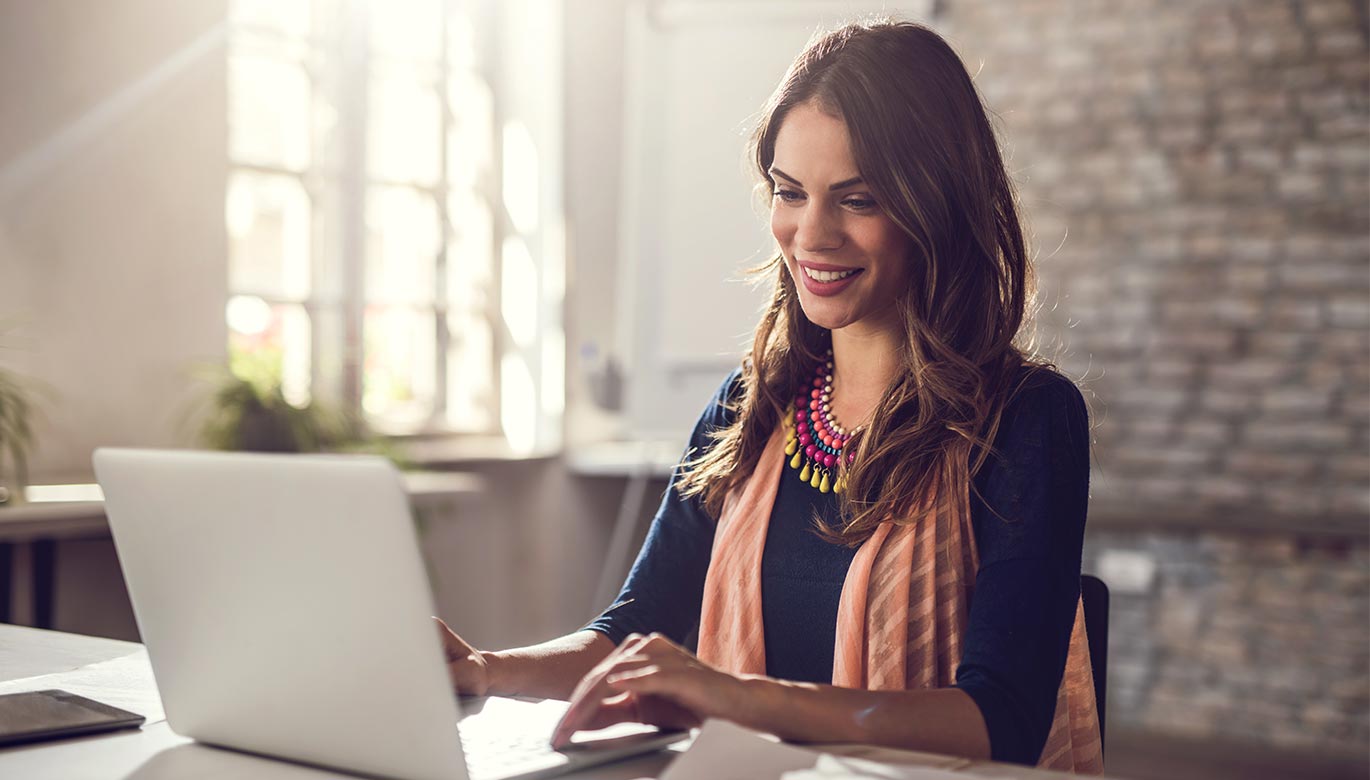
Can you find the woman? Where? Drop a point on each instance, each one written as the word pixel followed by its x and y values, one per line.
pixel 877 536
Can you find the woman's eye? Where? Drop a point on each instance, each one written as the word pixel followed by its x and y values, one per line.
pixel 789 196
pixel 859 204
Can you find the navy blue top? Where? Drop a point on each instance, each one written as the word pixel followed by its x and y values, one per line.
pixel 1026 589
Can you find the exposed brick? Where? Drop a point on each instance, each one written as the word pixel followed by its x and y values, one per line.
pixel 1211 165
pixel 1256 372
pixel 1349 311
pixel 1305 436
pixel 1266 465
pixel 1335 14
pixel 1297 402
pixel 1335 42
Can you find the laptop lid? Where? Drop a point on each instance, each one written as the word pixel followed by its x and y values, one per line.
pixel 285 606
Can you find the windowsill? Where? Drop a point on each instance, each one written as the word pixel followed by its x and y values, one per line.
pixel 50 519
pixel 432 451
pixel 654 459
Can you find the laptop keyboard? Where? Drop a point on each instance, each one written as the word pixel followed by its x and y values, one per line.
pixel 491 756
pixel 503 738
pixel 499 747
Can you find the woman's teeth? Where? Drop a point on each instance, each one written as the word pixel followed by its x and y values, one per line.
pixel 828 276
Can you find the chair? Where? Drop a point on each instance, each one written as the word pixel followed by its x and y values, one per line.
pixel 1094 594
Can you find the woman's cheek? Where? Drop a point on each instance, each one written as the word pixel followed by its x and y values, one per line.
pixel 782 227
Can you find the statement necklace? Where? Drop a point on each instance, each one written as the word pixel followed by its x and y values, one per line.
pixel 813 438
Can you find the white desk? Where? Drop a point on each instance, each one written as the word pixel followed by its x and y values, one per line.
pixel 117 672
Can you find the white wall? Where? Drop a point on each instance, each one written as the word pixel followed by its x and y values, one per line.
pixel 112 247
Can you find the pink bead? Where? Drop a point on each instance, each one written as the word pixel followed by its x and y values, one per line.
pixel 851 457
pixel 813 404
pixel 801 416
pixel 829 459
pixel 818 382
pixel 810 450
pixel 805 439
pixel 816 393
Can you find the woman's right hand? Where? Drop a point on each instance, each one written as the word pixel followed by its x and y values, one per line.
pixel 467 667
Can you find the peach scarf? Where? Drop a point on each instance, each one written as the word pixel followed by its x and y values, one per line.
pixel 903 610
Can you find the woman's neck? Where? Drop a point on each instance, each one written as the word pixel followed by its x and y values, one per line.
pixel 865 362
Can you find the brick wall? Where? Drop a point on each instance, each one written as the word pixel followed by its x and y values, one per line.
pixel 1197 174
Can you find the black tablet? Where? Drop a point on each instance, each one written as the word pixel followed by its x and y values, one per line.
pixel 39 715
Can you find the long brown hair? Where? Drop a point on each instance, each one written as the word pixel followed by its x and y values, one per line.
pixel 924 145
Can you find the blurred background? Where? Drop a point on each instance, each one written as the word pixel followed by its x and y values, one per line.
pixel 502 243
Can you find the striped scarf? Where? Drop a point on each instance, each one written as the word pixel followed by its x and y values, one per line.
pixel 902 613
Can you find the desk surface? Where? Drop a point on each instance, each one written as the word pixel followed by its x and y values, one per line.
pixel 117 672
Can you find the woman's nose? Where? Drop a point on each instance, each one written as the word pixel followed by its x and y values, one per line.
pixel 818 229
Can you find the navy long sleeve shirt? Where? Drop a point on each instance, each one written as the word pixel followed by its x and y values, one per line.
pixel 1026 589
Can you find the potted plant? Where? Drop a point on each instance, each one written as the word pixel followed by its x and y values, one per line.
pixel 253 415
pixel 16 437
pixel 248 411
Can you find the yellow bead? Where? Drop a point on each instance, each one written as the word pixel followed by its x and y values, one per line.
pixel 792 447
pixel 804 475
pixel 794 462
pixel 824 487
pixel 840 486
pixel 813 481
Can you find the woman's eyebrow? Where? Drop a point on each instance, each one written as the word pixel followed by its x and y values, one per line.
pixel 792 180
pixel 841 185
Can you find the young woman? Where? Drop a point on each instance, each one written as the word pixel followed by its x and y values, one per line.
pixel 876 534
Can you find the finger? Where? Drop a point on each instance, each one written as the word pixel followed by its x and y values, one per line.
pixel 616 709
pixel 591 695
pixel 678 698
pixel 454 646
pixel 619 659
pixel 633 673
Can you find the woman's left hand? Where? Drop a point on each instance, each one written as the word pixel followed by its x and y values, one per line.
pixel 652 680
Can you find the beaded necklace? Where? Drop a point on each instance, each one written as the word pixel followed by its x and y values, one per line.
pixel 812 437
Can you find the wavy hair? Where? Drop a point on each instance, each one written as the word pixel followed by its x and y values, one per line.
pixel 924 144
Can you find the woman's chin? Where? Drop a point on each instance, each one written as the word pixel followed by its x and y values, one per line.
pixel 828 320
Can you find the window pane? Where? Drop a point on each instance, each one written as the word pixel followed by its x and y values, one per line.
pixel 403 235
pixel 470 147
pixel 407 28
pixel 520 298
pixel 268 111
pixel 269 345
pixel 285 16
pixel 470 253
pixel 470 366
pixel 398 384
pixel 405 126
pixel 269 224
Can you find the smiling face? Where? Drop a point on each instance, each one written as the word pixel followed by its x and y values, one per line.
pixel 848 259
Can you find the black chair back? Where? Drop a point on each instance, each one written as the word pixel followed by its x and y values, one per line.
pixel 1094 594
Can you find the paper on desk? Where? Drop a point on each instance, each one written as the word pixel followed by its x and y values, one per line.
pixel 724 751
pixel 847 768
pixel 125 682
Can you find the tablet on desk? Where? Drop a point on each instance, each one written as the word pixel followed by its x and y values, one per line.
pixel 38 715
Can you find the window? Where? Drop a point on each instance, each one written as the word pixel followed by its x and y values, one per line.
pixel 378 257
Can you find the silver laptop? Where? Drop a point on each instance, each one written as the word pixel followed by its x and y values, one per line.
pixel 286 611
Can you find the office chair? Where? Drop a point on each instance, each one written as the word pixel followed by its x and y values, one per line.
pixel 1094 594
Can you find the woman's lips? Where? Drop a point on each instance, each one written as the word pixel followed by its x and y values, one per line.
pixel 827 288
